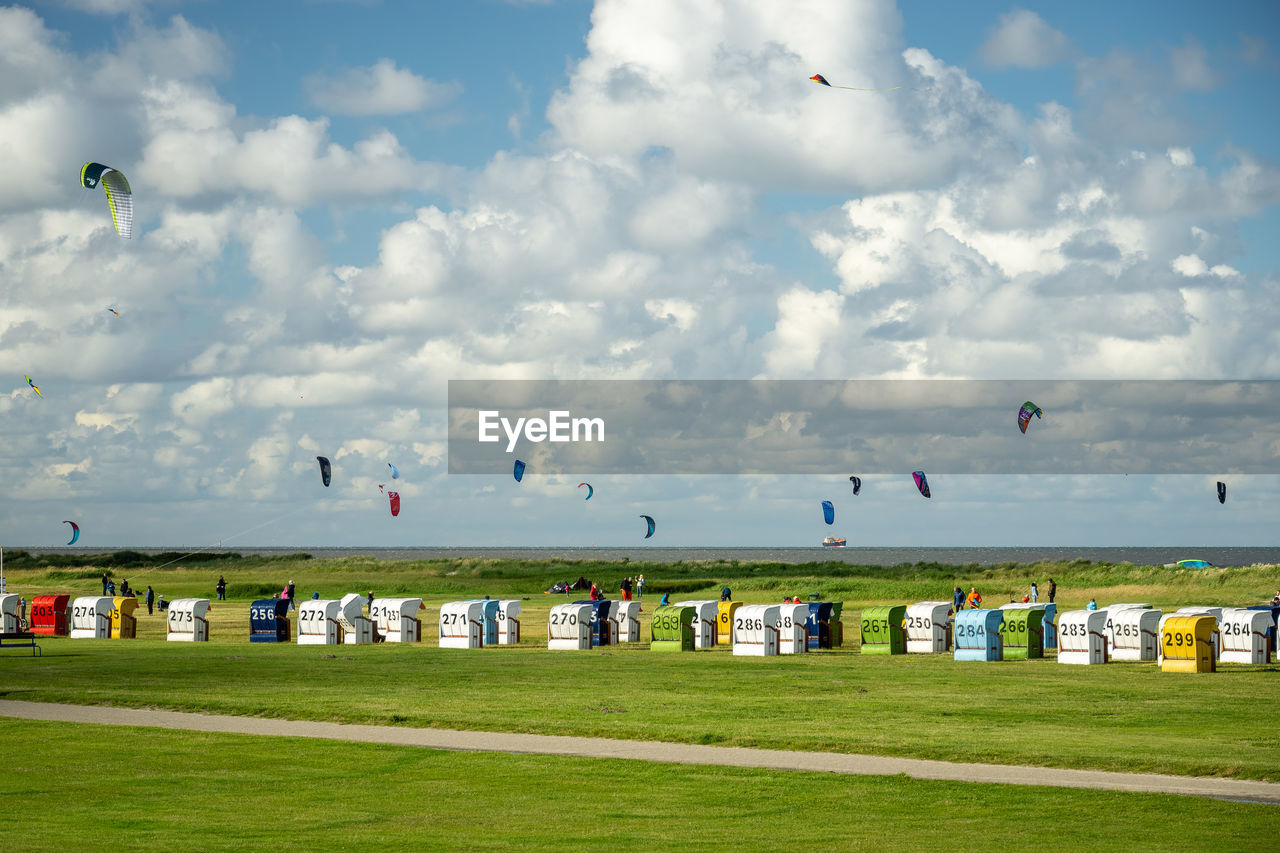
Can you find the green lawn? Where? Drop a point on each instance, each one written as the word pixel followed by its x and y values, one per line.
pixel 1116 717
pixel 79 786
pixel 1128 717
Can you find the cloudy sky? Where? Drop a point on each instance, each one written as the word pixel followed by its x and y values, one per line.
pixel 341 206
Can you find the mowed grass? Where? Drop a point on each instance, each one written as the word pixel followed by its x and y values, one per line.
pixel 1128 717
pixel 139 788
pixel 1118 717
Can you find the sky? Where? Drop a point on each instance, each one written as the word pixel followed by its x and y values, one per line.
pixel 341 206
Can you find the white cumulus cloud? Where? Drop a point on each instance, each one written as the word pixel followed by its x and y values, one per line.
pixel 1193 266
pixel 723 89
pixel 1022 39
pixel 378 89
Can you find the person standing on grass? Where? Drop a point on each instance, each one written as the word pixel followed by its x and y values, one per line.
pixel 105 581
pixel 974 600
pixel 957 600
pixel 289 592
pixel 1035 593
pixel 640 587
pixel 222 588
pixel 1053 590
pixel 151 599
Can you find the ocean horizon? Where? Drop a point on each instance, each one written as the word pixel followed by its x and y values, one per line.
pixel 860 555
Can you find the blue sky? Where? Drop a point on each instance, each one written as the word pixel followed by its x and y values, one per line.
pixel 341 206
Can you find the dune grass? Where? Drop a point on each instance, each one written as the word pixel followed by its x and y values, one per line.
pixel 253 577
pixel 134 788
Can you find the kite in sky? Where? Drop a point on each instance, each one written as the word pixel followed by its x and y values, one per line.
pixel 518 471
pixel 649 520
pixel 119 196
pixel 35 386
pixel 921 483
pixel 1222 492
pixel 857 484
pixel 394 498
pixel 818 78
pixel 590 490
pixel 1025 413
pixel 395 474
pixel 326 471
pixel 828 512
pixel 75 531
pixel 113 311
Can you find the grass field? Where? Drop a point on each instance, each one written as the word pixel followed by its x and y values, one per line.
pixel 149 788
pixel 249 578
pixel 1118 717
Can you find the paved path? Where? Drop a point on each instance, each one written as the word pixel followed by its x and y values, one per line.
pixel 679 753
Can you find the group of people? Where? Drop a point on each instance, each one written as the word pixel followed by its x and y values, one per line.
pixel 109 588
pixel 972 601
pixel 628 586
pixel 290 591
pixel 286 594
pixel 959 599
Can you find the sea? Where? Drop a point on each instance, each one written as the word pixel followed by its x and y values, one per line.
pixel 889 556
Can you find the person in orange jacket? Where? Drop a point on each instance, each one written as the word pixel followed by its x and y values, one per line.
pixel 973 599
